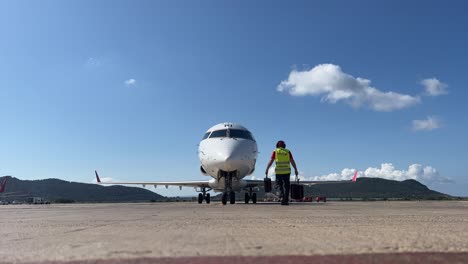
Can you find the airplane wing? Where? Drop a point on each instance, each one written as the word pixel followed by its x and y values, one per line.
pixel 200 184
pixel 256 183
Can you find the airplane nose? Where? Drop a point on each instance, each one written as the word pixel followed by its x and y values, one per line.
pixel 230 157
pixel 230 164
pixel 227 156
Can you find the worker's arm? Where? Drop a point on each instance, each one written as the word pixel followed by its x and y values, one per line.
pixel 268 166
pixel 293 163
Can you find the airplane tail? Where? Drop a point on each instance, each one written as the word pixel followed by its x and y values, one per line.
pixel 2 187
pixel 355 176
pixel 97 177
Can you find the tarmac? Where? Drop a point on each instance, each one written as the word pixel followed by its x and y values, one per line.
pixel 332 232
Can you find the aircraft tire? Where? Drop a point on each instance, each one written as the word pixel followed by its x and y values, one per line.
pixel 232 197
pixel 207 198
pixel 247 198
pixel 254 198
pixel 200 198
pixel 224 198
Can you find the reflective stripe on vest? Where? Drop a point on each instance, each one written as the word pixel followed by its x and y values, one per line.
pixel 282 161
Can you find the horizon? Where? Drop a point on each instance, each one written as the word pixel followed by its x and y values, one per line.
pixel 194 195
pixel 215 193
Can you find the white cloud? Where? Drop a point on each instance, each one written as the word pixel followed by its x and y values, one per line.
pixel 434 87
pixel 346 174
pixel 330 82
pixel 130 82
pixel 428 124
pixel 93 62
pixel 425 174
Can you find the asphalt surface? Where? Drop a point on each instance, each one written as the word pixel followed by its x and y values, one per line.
pixel 334 232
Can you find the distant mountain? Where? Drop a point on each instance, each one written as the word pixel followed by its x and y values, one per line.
pixel 55 189
pixel 375 188
pixel 370 188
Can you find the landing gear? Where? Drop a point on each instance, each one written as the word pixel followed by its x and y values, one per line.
pixel 224 198
pixel 232 197
pixel 254 198
pixel 204 196
pixel 228 191
pixel 250 196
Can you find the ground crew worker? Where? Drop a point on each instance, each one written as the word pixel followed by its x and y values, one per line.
pixel 283 158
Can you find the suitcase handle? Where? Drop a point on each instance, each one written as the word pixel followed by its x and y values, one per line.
pixel 297 179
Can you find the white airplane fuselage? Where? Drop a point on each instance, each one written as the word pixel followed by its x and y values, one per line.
pixel 227 152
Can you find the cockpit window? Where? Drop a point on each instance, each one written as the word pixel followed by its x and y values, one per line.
pixel 232 133
pixel 218 133
pixel 237 133
pixel 206 135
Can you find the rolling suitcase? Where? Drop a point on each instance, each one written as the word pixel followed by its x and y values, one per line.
pixel 297 190
pixel 267 184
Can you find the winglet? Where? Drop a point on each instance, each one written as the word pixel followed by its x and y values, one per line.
pixel 97 177
pixel 2 187
pixel 355 176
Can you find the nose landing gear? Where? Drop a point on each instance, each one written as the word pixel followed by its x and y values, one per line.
pixel 250 196
pixel 204 196
pixel 228 192
pixel 232 197
pixel 224 198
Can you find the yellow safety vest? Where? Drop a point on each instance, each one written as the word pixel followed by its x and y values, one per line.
pixel 282 161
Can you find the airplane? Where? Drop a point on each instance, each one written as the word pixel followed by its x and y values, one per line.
pixel 3 185
pixel 4 194
pixel 227 153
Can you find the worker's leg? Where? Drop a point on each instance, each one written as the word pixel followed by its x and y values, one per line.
pixel 286 180
pixel 279 182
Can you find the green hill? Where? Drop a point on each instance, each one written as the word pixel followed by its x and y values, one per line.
pixel 375 188
pixel 55 189
pixel 365 188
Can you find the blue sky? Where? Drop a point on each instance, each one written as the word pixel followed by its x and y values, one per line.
pixel 129 87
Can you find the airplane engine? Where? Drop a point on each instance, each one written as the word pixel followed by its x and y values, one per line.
pixel 202 170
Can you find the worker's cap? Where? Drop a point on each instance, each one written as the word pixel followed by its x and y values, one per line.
pixel 280 144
